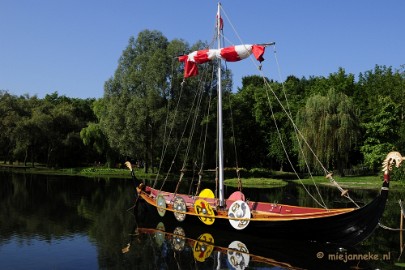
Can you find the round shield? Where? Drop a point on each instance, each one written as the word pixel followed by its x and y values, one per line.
pixel 203 247
pixel 179 239
pixel 206 193
pixel 160 234
pixel 237 195
pixel 205 212
pixel 179 206
pixel 238 255
pixel 239 214
pixel 161 205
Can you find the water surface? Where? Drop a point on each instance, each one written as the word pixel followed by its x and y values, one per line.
pixel 59 222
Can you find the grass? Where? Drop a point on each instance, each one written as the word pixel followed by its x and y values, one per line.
pixel 85 171
pixel 354 182
pixel 357 182
pixel 256 182
pixel 257 178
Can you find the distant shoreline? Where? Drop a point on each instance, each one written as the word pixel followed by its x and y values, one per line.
pixel 354 182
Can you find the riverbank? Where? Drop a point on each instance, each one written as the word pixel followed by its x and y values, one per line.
pixel 253 178
pixel 81 171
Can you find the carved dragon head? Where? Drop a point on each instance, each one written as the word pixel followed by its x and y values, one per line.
pixel 392 157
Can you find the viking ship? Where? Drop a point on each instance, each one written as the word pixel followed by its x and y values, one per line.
pixel 209 248
pixel 270 219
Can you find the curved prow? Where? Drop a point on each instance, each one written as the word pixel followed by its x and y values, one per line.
pixel 134 178
pixel 391 159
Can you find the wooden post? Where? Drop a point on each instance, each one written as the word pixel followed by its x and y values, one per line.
pixel 401 225
pixel 401 232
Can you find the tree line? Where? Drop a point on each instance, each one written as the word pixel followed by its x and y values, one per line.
pixel 43 130
pixel 350 122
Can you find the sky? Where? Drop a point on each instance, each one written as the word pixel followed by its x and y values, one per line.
pixel 73 46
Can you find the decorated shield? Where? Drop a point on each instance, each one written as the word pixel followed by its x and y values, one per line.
pixel 205 212
pixel 206 193
pixel 239 214
pixel 161 205
pixel 179 206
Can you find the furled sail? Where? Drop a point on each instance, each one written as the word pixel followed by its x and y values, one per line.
pixel 230 54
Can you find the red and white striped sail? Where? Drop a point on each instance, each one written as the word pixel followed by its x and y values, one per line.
pixel 230 54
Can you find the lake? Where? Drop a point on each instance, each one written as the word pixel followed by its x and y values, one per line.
pixel 61 222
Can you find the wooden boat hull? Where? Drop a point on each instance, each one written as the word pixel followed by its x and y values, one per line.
pixel 344 226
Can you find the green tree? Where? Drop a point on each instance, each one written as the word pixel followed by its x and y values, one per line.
pixel 339 80
pixel 372 84
pixel 93 136
pixel 380 94
pixel 135 97
pixel 381 132
pixel 14 115
pixel 274 127
pixel 331 127
pixel 401 98
pixel 50 130
pixel 251 139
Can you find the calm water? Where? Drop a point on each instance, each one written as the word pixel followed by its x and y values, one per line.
pixel 49 222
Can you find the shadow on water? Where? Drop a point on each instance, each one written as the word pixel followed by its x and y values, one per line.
pixel 80 223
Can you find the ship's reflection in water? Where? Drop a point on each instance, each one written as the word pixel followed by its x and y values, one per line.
pixel 163 245
pixel 201 253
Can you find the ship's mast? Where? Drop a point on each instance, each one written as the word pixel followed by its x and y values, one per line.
pixel 220 131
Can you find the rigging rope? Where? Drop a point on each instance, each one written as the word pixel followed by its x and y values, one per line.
pixel 200 174
pixel 178 146
pixel 191 134
pixel 402 213
pixel 230 105
pixel 166 140
pixel 195 107
pixel 234 142
pixel 302 137
pixel 322 203
pixel 297 131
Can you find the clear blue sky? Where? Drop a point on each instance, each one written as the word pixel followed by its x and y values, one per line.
pixel 73 46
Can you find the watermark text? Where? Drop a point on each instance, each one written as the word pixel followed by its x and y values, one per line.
pixel 345 257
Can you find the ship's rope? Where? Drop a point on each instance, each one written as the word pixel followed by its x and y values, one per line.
pixel 321 203
pixel 200 174
pixel 234 145
pixel 196 110
pixel 390 229
pixel 181 137
pixel 402 216
pixel 299 136
pixel 231 119
pixel 166 140
pixel 195 163
pixel 297 131
pixel 233 28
